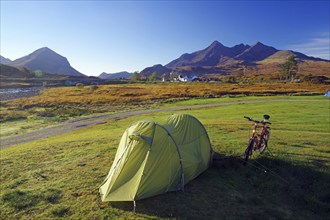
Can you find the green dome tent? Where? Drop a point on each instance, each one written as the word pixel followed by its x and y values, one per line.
pixel 152 159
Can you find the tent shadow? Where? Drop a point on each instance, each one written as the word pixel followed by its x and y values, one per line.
pixel 228 189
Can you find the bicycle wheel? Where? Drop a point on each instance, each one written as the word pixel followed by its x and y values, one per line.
pixel 248 151
pixel 263 143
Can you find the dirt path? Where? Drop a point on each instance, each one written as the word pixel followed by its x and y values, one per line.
pixel 100 119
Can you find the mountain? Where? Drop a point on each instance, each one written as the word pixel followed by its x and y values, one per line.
pixel 213 55
pixel 219 55
pixel 257 60
pixel 279 56
pixel 120 75
pixel 159 69
pixel 282 55
pixel 48 61
pixel 256 52
pixel 5 61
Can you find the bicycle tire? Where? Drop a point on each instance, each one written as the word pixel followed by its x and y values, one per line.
pixel 264 143
pixel 248 151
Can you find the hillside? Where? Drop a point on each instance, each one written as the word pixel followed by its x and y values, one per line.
pixel 256 53
pixel 48 61
pixel 219 55
pixel 159 69
pixel 213 55
pixel 5 61
pixel 119 75
pixel 14 77
pixel 217 60
pixel 14 72
pixel 240 60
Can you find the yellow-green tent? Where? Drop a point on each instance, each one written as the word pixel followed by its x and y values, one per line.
pixel 153 159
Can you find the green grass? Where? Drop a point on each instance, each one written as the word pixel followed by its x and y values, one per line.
pixel 34 119
pixel 56 105
pixel 59 177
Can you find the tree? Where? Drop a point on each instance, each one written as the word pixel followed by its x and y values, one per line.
pixel 153 77
pixel 165 76
pixel 37 73
pixel 80 85
pixel 289 69
pixel 230 79
pixel 136 76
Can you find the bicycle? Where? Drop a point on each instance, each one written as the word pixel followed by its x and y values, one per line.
pixel 258 141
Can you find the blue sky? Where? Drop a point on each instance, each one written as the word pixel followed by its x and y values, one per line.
pixel 114 36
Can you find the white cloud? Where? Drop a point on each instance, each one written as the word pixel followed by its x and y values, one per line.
pixel 318 46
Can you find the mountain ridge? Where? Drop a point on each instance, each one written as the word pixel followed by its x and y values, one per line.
pixel 4 60
pixel 48 61
pixel 214 59
pixel 158 68
pixel 217 54
pixel 119 75
pixel 256 52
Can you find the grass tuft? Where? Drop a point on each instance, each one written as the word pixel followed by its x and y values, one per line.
pixel 60 211
pixel 52 196
pixel 19 200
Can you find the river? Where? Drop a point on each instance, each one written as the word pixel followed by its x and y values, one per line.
pixel 14 93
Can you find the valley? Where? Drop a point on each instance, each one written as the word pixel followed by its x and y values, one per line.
pixel 149 110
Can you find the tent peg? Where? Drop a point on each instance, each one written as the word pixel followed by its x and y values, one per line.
pixel 134 205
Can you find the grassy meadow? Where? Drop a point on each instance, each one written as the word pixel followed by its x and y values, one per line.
pixel 58 177
pixel 57 105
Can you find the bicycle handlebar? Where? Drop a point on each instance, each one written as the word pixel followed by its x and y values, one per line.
pixel 262 122
pixel 248 118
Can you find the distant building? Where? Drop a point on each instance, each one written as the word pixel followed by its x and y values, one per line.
pixel 186 78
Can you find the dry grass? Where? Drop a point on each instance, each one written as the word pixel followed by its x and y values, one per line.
pixel 146 93
pixel 60 104
pixel 271 71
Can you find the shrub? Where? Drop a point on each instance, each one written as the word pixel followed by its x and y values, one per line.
pixel 12 116
pixel 37 73
pixel 93 88
pixel 80 85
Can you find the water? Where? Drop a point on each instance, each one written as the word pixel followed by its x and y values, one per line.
pixel 14 93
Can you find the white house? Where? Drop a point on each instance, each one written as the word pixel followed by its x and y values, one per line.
pixel 186 78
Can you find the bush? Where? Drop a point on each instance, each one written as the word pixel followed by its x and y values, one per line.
pixel 93 88
pixel 62 111
pixel 12 116
pixel 80 85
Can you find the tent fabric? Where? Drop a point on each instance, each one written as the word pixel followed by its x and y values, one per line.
pixel 152 159
pixel 327 94
pixel 193 142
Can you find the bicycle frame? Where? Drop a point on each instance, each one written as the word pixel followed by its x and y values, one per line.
pixel 264 131
pixel 258 141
